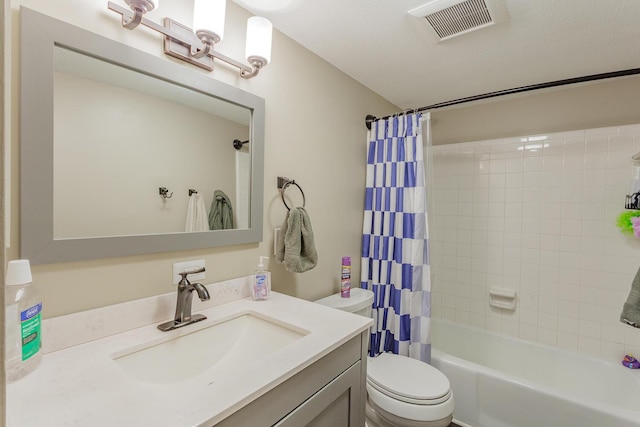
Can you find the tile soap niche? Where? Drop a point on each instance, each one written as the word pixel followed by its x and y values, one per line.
pixel 502 298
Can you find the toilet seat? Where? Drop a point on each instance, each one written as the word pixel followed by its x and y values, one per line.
pixel 407 380
pixel 425 402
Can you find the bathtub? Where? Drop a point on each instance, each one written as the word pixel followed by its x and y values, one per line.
pixel 500 381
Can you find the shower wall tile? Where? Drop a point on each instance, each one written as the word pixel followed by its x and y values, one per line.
pixel 538 216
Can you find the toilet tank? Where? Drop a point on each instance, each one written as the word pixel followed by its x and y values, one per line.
pixel 360 302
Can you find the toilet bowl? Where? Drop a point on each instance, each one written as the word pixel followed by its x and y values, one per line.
pixel 401 392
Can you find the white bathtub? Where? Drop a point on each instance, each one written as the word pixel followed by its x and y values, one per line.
pixel 499 381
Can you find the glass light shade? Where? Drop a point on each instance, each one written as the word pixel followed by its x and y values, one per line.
pixel 208 16
pixel 18 272
pixel 258 39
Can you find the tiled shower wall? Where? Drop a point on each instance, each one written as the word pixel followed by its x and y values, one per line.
pixel 537 215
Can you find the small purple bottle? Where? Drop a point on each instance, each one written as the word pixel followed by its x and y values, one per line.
pixel 345 282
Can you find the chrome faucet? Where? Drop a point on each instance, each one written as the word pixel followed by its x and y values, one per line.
pixel 183 315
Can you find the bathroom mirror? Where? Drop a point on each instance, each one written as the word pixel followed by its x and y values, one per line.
pixel 104 127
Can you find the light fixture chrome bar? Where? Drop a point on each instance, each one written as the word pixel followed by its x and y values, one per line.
pixel 175 46
pixel 181 42
pixel 127 15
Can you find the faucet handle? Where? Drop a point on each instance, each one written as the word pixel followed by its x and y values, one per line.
pixel 184 274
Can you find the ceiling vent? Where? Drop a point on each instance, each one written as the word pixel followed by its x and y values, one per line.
pixel 446 19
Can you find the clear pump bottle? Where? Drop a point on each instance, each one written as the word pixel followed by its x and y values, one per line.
pixel 261 285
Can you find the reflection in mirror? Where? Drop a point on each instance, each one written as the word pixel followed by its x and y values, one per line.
pixel 119 135
pixel 104 126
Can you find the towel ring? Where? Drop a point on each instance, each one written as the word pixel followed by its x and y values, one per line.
pixel 284 187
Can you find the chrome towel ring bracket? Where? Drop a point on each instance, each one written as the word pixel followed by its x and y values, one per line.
pixel 283 183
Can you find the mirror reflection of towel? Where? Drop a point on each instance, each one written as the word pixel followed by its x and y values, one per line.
pixel 296 247
pixel 196 214
pixel 221 212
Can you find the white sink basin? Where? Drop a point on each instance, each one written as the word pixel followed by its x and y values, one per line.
pixel 220 348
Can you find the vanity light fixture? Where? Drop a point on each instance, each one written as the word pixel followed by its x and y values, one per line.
pixel 196 45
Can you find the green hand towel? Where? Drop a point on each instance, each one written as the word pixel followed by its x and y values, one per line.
pixel 220 212
pixel 631 309
pixel 295 247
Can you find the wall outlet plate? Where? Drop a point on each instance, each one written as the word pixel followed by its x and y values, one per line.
pixel 179 267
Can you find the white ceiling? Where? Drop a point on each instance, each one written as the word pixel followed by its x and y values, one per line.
pixel 380 45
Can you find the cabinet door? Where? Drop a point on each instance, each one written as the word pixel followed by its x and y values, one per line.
pixel 335 405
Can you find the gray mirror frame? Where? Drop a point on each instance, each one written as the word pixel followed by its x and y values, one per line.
pixel 40 34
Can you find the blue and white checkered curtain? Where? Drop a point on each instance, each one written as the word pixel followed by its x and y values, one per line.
pixel 395 257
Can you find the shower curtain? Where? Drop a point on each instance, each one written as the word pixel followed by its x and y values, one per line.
pixel 395 257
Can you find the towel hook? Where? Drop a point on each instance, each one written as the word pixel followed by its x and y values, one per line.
pixel 163 193
pixel 192 191
pixel 283 183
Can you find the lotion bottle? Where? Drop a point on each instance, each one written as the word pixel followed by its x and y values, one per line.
pixel 262 283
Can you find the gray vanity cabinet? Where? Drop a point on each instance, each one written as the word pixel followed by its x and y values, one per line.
pixel 328 393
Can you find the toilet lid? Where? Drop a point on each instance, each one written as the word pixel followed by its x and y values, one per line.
pixel 407 379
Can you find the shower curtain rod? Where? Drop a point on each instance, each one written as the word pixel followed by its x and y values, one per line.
pixel 371 118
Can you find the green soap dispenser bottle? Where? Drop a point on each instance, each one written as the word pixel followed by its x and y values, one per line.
pixel 23 332
pixel 262 283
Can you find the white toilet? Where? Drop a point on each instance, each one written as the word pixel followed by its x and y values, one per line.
pixel 401 392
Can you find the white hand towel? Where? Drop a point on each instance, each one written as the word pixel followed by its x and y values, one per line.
pixel 197 217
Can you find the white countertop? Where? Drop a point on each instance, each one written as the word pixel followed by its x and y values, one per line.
pixel 83 386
